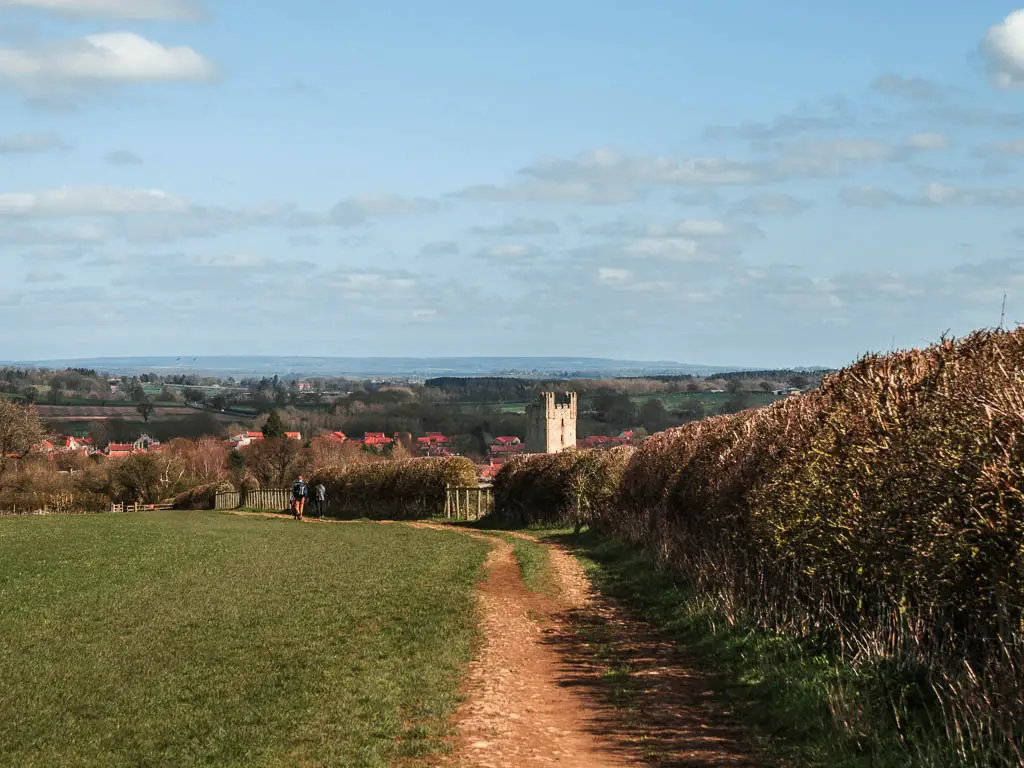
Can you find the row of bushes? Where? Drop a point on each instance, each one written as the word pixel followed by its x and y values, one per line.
pixel 406 488
pixel 35 501
pixel 881 516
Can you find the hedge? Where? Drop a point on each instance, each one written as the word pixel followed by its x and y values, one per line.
pixel 569 487
pixel 406 488
pixel 882 515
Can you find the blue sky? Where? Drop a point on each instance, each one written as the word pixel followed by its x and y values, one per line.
pixel 728 182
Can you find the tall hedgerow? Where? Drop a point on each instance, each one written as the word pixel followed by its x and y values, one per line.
pixel 406 488
pixel 882 514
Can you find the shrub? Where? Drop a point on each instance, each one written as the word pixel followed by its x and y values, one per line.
pixel 577 487
pixel 202 496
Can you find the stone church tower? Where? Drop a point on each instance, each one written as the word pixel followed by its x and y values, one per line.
pixel 551 423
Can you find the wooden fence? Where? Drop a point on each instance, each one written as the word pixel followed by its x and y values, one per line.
pixel 468 502
pixel 277 499
pixel 227 500
pixel 460 503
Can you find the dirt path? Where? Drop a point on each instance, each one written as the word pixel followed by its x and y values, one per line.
pixel 578 681
pixel 546 686
pixel 517 713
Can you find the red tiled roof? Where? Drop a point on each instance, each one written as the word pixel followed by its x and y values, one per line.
pixel 119 447
pixel 293 435
pixel 506 448
pixel 506 440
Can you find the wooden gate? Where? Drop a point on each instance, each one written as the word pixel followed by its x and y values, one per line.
pixel 468 502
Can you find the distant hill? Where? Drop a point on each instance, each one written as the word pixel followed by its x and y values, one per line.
pixel 370 367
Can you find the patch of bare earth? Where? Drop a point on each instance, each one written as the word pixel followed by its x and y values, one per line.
pixel 576 681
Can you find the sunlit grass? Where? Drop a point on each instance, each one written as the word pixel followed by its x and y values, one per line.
pixel 203 639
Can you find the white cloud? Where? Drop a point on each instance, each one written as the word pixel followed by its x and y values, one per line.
pixel 122 157
pixel 88 201
pixel 781 127
pixel 935 194
pixel 771 204
pixel 929 141
pixel 23 143
pixel 695 228
pixel 829 157
pixel 646 286
pixel 356 210
pixel 608 176
pixel 372 282
pixel 568 192
pixel 519 227
pixel 230 261
pixel 670 249
pixel 697 197
pixel 871 197
pixel 614 275
pixel 112 58
pixel 440 248
pixel 155 216
pixel 1003 45
pixel 509 252
pixel 938 194
pixel 303 241
pixel 610 165
pixel 910 88
pixel 45 277
pixel 136 10
pixel 1014 148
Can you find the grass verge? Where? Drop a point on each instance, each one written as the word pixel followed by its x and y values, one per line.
pixel 776 686
pixel 206 639
pixel 532 556
pixel 534 564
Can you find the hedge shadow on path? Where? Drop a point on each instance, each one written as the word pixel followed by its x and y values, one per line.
pixel 652 697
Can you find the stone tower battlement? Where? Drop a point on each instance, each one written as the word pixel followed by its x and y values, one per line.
pixel 551 423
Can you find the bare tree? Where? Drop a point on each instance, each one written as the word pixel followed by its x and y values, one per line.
pixel 21 431
pixel 145 408
pixel 276 461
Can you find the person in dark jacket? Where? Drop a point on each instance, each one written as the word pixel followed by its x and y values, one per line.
pixel 319 499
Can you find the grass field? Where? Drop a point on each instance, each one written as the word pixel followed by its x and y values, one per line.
pixel 206 639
